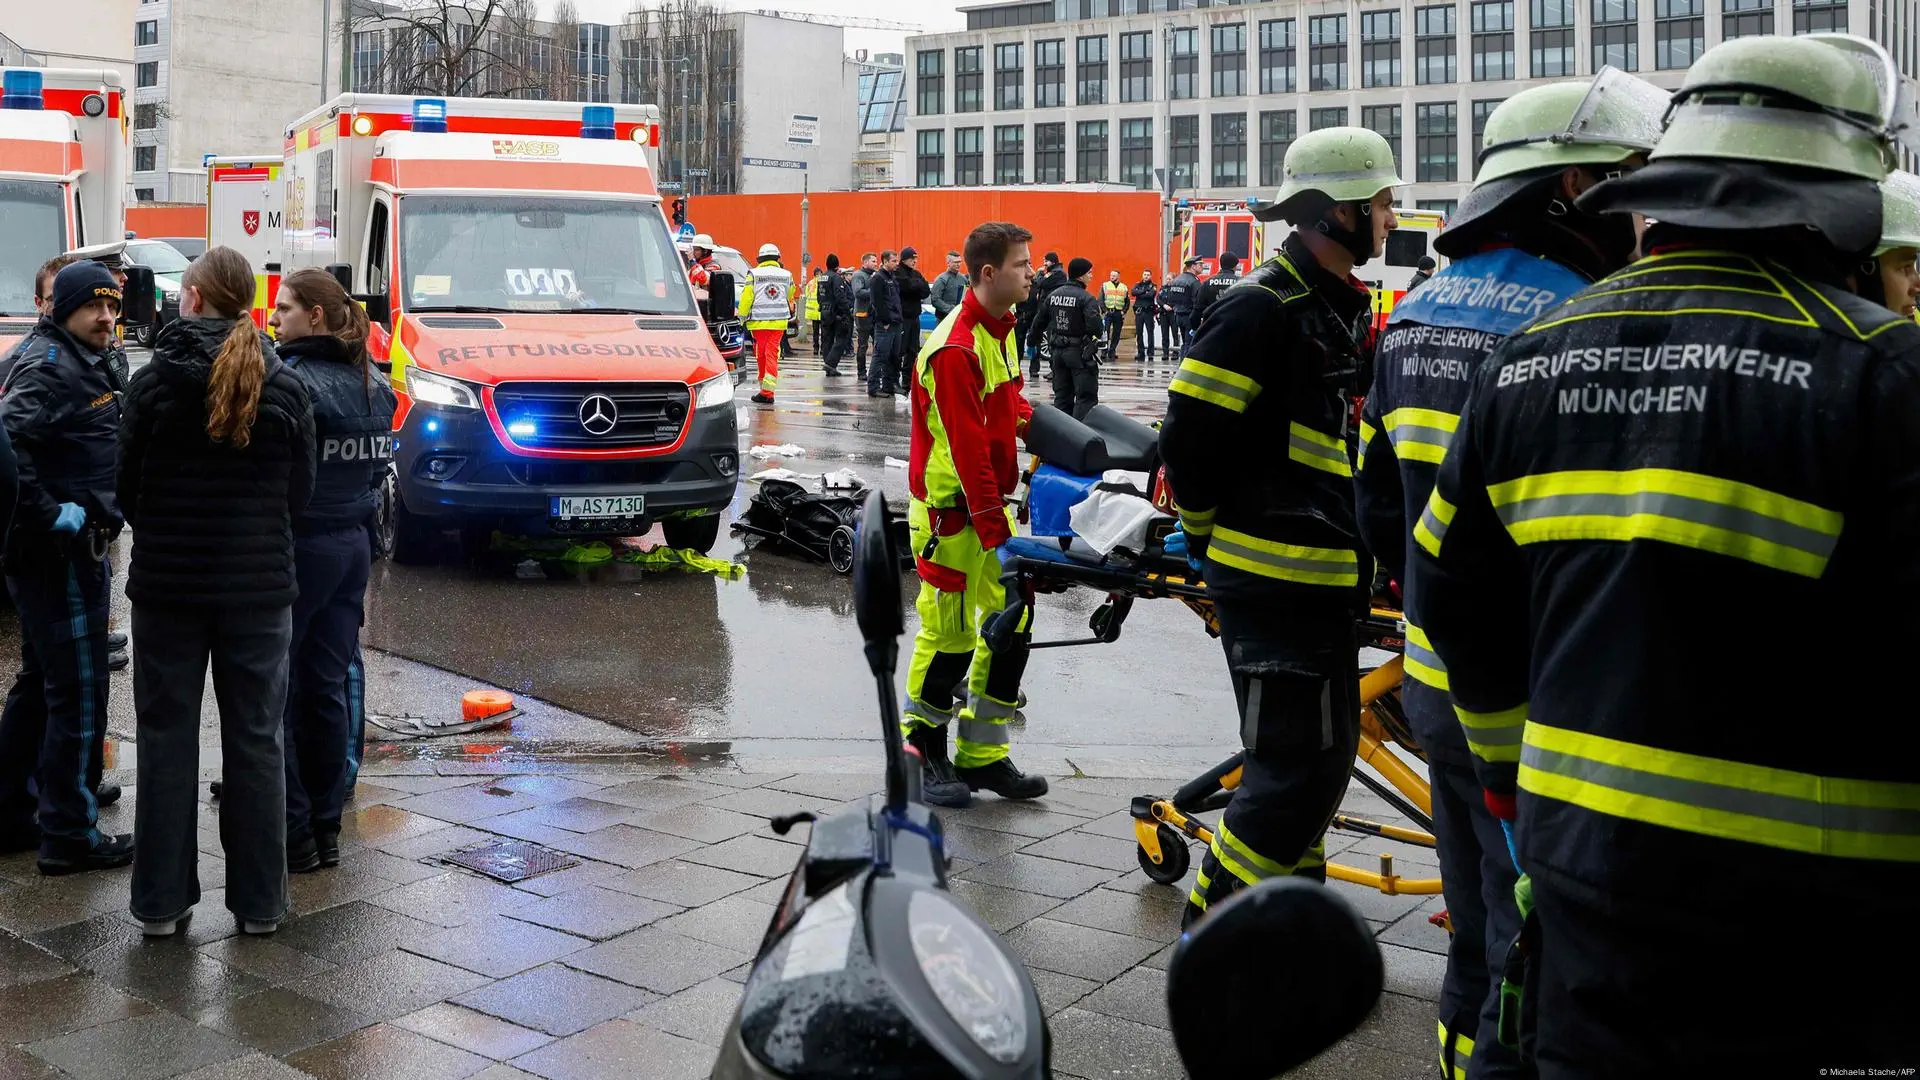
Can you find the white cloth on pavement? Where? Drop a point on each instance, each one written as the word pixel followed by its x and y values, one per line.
pixel 769 450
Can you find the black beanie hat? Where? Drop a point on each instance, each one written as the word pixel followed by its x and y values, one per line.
pixel 1079 268
pixel 833 261
pixel 1228 260
pixel 79 284
pixel 1053 258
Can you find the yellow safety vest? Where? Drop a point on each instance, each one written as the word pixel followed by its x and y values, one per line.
pixel 1115 295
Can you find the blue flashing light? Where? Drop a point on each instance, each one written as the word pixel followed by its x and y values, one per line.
pixel 20 89
pixel 430 114
pixel 433 427
pixel 522 428
pixel 596 122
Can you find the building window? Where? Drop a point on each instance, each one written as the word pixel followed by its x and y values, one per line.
pixel 1050 153
pixel 1090 152
pixel 1136 152
pixel 1277 132
pixel 969 81
pixel 1380 48
pixel 144 158
pixel 593 65
pixel 1183 65
pixel 1090 72
pixel 1318 119
pixel 1279 63
pixel 932 85
pixel 369 55
pixel 1009 153
pixel 1819 16
pixel 1616 34
pixel 1444 206
pixel 1679 33
pixel 1230 60
pixel 1050 74
pixel 1481 110
pixel 1183 151
pixel 146 117
pixel 930 162
pixel 1552 38
pixel 144 194
pixel 968 159
pixel 1436 133
pixel 147 32
pixel 1492 40
pixel 1229 150
pixel 1327 52
pixel 1136 67
pixel 1436 56
pixel 1385 120
pixel 1009 76
pixel 147 74
pixel 1745 18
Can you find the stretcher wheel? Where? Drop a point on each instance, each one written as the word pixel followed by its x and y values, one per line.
pixel 1175 857
pixel 840 550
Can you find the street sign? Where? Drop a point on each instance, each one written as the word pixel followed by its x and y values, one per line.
pixel 686 230
pixel 669 187
pixel 773 163
pixel 696 172
pixel 803 130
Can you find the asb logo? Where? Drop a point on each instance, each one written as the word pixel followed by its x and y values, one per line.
pixel 598 414
pixel 250 221
pixel 534 148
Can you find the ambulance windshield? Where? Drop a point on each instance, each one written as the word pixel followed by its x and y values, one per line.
pixel 30 219
pixel 491 253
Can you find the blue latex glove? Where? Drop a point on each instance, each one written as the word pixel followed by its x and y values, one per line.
pixel 70 520
pixel 1513 850
pixel 1177 546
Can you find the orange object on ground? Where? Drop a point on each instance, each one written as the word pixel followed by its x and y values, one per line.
pixel 480 704
pixel 766 350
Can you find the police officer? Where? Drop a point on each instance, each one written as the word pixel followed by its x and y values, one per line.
pixel 61 408
pixel 1144 298
pixel 1113 298
pixel 1176 308
pixel 1277 358
pixel 1892 277
pixel 1719 429
pixel 1210 290
pixel 1520 246
pixel 1074 325
pixel 1033 336
pixel 322 337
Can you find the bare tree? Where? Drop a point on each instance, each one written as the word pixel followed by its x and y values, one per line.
pixel 687 62
pixel 456 48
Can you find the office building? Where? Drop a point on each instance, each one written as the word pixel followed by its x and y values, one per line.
pixel 881 117
pixel 50 35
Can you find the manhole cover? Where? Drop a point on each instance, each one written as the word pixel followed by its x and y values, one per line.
pixel 512 861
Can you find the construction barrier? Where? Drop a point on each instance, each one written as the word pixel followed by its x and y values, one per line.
pixel 167 219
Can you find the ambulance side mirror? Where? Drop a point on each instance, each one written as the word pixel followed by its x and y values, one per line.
pixel 379 309
pixel 137 301
pixel 342 273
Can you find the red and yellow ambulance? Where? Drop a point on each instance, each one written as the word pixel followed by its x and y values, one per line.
pixel 245 200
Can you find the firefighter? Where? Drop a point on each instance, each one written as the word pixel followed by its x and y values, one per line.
pixel 1278 545
pixel 1176 308
pixel 1718 436
pixel 1519 246
pixel 1892 277
pixel 1072 322
pixel 1113 297
pixel 968 410
pixel 1210 290
pixel 769 307
pixel 1145 302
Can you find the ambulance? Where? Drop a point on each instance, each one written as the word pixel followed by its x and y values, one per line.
pixel 245 199
pixel 553 372
pixel 63 176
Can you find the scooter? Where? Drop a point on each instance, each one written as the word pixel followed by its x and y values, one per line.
pixel 871 970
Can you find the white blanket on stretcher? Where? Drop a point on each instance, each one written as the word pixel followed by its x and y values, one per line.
pixel 1116 514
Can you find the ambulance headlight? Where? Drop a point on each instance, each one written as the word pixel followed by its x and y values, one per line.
pixel 431 389
pixel 714 393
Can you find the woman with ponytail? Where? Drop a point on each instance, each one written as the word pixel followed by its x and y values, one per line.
pixel 216 460
pixel 322 335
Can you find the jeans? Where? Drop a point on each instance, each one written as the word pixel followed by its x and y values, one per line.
pixel 248 651
pixel 55 712
pixel 332 569
pixel 880 374
pixel 863 339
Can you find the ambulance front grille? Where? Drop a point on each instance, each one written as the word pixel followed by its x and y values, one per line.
pixel 643 414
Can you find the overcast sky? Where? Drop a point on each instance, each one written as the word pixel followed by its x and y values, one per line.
pixel 931 14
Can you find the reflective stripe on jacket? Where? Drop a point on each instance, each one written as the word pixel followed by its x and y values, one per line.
pixel 769 296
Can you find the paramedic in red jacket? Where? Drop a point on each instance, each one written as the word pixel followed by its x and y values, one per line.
pixel 968 412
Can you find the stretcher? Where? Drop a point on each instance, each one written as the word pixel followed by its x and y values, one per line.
pixel 1165 826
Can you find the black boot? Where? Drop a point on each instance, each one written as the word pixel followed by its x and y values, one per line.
pixel 1004 779
pixel 326 841
pixel 938 784
pixel 303 855
pixel 111 852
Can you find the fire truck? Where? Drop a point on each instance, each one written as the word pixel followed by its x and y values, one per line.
pixel 553 372
pixel 245 199
pixel 63 180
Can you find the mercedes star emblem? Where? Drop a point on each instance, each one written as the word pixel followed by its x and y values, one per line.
pixel 598 414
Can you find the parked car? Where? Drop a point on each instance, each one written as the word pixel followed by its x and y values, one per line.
pixel 191 246
pixel 168 265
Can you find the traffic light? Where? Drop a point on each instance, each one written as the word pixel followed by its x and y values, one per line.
pixel 679 212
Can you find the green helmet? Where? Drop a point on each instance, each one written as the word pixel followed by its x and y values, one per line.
pixel 1899 212
pixel 1598 122
pixel 1345 164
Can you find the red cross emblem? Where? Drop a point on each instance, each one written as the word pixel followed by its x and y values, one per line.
pixel 250 221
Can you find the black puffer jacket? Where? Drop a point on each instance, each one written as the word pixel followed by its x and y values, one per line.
pixel 212 525
pixel 352 431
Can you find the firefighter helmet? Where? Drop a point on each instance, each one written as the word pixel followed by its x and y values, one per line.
pixel 1899 212
pixel 1599 122
pixel 703 241
pixel 1342 164
pixel 769 251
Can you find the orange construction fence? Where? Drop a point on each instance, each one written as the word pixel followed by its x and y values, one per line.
pixel 167 219
pixel 1117 230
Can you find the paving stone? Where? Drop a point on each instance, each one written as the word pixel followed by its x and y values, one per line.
pixel 1088 850
pixel 550 788
pixel 729 778
pixel 17 1064
pixel 474 1032
pixel 1414 972
pixel 141 1048
pixel 557 1000
pixel 453 899
pixel 734 922
pixel 622 845
pixel 702 1012
pixel 40 1010
pixel 660 793
pixel 1001 909
pixel 1030 873
pixel 332 888
pixel 1398 1023
pixel 393 983
pixel 1352 1059
pixel 387 1052
pixel 1019 818
pixel 1137 882
pixel 1139 995
pixel 1115 826
pixel 27 962
pixel 392 867
pixel 768 803
pixel 1059 991
pixel 1156 918
pixel 1376 906
pixel 96 890
pixel 1082 802
pixel 436 842
pixel 497 946
pixel 380 826
pixel 574 815
pixel 465 805
pixel 1413 931
pixel 24 911
pixel 168 973
pixel 279 1021
pixel 979 845
pixel 658 960
pixel 705 822
pixel 676 881
pixel 836 787
pixel 520 827
pixel 502 1072
pixel 351 932
pixel 1161 960
pixel 620 1048
pixel 246 1067
pixel 594 912
pixel 555 882
pixel 266 959
pixel 1077 950
pixel 1089 1044
pixel 749 855
pixel 418 783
